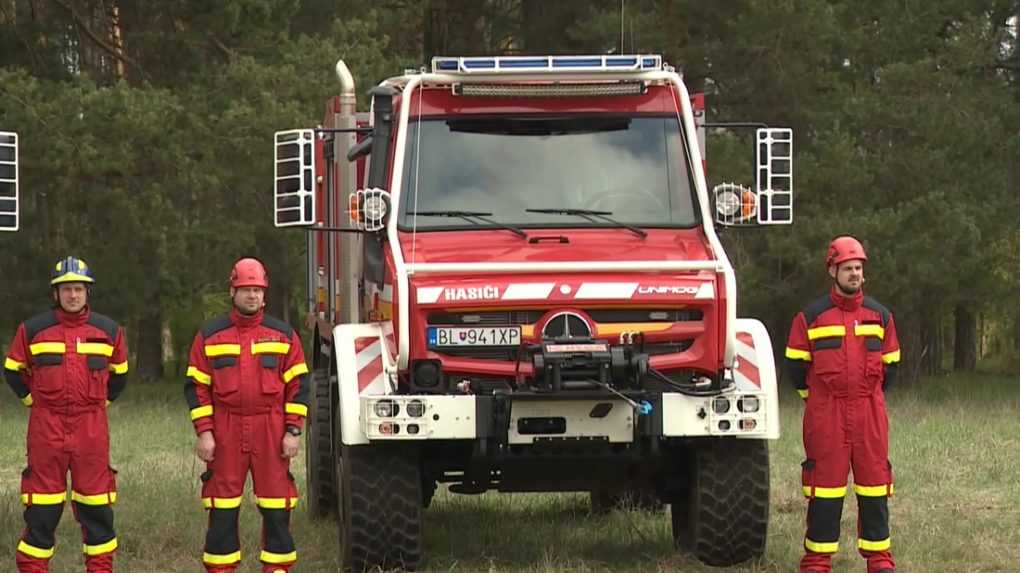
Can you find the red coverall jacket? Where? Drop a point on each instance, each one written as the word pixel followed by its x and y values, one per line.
pixel 67 367
pixel 842 353
pixel 246 384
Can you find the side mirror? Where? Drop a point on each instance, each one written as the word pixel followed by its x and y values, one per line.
pixel 774 179
pixel 8 181
pixel 369 209
pixel 294 177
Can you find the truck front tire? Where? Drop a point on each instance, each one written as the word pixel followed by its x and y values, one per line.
pixel 320 470
pixel 724 519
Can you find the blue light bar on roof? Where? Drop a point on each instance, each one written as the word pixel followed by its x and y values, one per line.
pixel 546 64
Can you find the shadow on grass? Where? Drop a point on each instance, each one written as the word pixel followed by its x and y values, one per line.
pixel 540 531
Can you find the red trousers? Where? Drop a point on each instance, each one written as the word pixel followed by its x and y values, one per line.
pixel 248 444
pixel 62 440
pixel 844 433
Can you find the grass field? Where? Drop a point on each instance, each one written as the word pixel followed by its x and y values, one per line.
pixel 954 449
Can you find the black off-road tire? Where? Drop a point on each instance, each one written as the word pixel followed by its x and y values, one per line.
pixel 725 518
pixel 380 508
pixel 320 470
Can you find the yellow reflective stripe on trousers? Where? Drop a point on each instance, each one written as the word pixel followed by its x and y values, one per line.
pixel 27 400
pixel 803 393
pixel 870 330
pixel 826 332
pixel 198 376
pixel 228 559
pixel 109 498
pixel 43 498
pixel 267 557
pixel 818 547
pixel 270 348
pixel 119 368
pixel 47 348
pixel 33 551
pixel 101 549
pixel 98 348
pixel 295 408
pixel 221 502
pixel 867 545
pixel 201 412
pixel 796 354
pixel 295 371
pixel 873 490
pixel 12 364
pixel 824 492
pixel 891 357
pixel 276 502
pixel 212 350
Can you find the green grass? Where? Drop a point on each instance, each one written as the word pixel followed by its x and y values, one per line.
pixel 954 449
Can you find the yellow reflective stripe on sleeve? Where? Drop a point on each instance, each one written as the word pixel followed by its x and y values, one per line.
pixel 43 498
pixel 270 348
pixel 99 348
pixel 892 357
pixel 96 499
pixel 867 545
pixel 221 502
pixel 28 401
pixel 796 354
pixel 825 492
pixel 212 350
pixel 201 412
pixel 826 332
pixel 33 551
pixel 276 502
pixel 873 490
pixel 295 408
pixel 101 549
pixel 12 364
pixel 228 559
pixel 199 376
pixel 803 393
pixel 119 368
pixel 819 547
pixel 47 348
pixel 267 557
pixel 295 371
pixel 869 330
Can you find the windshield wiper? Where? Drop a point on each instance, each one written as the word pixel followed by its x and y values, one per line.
pixel 471 217
pixel 592 216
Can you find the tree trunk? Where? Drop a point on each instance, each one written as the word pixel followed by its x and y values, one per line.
pixel 166 340
pixel 930 354
pixel 965 339
pixel 150 345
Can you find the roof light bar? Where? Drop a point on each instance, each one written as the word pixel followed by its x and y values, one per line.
pixel 545 64
pixel 551 90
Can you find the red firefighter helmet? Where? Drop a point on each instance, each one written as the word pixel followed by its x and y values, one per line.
pixel 249 272
pixel 844 248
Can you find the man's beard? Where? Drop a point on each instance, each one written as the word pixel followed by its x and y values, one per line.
pixel 846 292
pixel 245 311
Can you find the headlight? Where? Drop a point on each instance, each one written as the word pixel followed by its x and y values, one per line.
pixel 720 405
pixel 727 203
pixel 748 404
pixel 415 409
pixel 386 408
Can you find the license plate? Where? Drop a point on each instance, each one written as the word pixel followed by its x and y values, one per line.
pixel 447 336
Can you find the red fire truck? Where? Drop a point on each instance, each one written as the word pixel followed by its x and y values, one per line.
pixel 516 284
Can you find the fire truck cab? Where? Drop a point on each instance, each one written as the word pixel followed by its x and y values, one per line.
pixel 516 285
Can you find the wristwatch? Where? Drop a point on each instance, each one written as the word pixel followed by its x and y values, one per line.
pixel 294 430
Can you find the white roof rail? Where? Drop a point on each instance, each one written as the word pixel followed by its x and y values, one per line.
pixel 490 65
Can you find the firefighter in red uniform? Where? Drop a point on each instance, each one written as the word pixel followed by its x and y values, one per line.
pixel 842 355
pixel 67 365
pixel 248 398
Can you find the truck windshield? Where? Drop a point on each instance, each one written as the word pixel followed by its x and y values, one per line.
pixel 634 167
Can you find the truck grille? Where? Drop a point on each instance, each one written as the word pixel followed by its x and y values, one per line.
pixel 600 316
